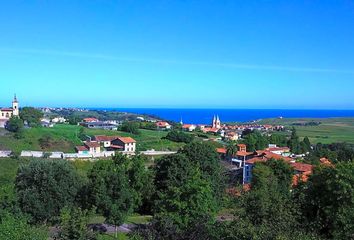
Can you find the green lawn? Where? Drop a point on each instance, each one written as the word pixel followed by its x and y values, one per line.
pixel 65 139
pixel 330 130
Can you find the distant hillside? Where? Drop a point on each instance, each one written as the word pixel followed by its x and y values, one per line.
pixel 323 130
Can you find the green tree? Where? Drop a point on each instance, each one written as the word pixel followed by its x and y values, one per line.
pixel 45 187
pixel 16 228
pixel 231 150
pixel 307 144
pixel 111 192
pixel 73 224
pixel 130 127
pixel 183 196
pixel 205 156
pixel 15 125
pixel 294 143
pixel 31 115
pixel 179 136
pixel 329 201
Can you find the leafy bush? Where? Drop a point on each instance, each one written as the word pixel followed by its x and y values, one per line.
pixel 178 136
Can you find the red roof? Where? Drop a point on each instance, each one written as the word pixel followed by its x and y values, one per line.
pixel 221 150
pixel 299 177
pixel 81 148
pixel 6 109
pixel 90 120
pixel 302 167
pixel 278 149
pixel 241 145
pixel 127 139
pixel 162 124
pixel 270 155
pixel 103 138
pixel 92 144
pixel 187 125
pixel 256 159
pixel 326 161
pixel 116 146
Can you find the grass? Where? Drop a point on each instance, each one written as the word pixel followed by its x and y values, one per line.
pixel 330 130
pixel 65 139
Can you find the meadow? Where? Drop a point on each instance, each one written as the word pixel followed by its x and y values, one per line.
pixel 65 137
pixel 328 131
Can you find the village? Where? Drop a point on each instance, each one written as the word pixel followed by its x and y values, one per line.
pixel 107 146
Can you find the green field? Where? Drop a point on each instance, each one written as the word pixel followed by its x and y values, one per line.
pixel 330 130
pixel 65 139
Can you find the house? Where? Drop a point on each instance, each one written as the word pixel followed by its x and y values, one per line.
pixel 7 113
pixel 189 127
pixel 302 171
pixel 163 125
pixel 284 151
pixel 90 120
pixel 232 136
pixel 127 144
pixel 91 147
pixel 100 125
pixel 58 120
pixel 117 143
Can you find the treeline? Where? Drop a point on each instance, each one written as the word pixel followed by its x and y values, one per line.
pixel 184 193
pixel 255 140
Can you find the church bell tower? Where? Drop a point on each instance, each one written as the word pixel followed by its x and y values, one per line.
pixel 15 110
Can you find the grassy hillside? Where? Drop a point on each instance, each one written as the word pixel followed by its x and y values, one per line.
pixel 328 131
pixel 65 138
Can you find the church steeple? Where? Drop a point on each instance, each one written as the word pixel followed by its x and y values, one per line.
pixel 15 105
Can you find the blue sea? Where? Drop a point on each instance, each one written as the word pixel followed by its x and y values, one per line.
pixel 204 116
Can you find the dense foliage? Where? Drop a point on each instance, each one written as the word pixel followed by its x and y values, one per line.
pixel 130 127
pixel 31 116
pixel 179 136
pixel 45 187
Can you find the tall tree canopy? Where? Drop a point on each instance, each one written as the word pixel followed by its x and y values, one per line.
pixel 31 115
pixel 45 187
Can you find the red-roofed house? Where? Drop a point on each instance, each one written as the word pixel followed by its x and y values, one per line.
pixel 117 143
pixel 89 148
pixel 90 120
pixel 189 127
pixel 163 125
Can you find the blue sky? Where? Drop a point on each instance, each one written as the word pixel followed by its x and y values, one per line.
pixel 197 53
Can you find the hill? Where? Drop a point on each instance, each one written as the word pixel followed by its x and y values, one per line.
pixel 319 130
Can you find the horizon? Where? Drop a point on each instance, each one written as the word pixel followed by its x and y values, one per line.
pixel 214 54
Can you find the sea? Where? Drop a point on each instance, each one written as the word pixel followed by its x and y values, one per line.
pixel 204 116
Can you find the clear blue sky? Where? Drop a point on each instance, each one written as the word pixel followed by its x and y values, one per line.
pixel 197 53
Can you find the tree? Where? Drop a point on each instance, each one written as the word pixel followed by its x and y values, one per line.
pixel 183 196
pixel 16 228
pixel 110 191
pixel 45 187
pixel 294 143
pixel 130 127
pixel 15 125
pixel 208 161
pixel 73 224
pixel 141 182
pixel 231 150
pixel 307 144
pixel 267 210
pixel 179 136
pixel 31 115
pixel 255 141
pixel 328 207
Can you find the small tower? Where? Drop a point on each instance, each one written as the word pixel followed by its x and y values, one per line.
pixel 217 122
pixel 213 124
pixel 15 110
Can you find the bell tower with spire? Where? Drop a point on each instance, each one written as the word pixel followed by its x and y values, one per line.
pixel 15 110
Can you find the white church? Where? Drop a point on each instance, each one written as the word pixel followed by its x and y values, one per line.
pixel 7 113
